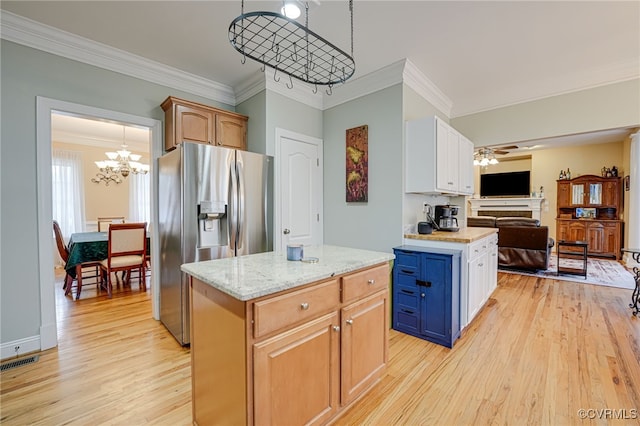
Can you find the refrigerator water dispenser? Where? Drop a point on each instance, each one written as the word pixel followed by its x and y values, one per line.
pixel 212 229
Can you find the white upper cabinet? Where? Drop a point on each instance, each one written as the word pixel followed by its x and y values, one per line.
pixel 465 161
pixel 438 158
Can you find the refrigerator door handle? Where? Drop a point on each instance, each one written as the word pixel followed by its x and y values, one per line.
pixel 233 207
pixel 241 203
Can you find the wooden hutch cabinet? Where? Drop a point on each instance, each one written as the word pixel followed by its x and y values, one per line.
pixel 589 209
pixel 187 121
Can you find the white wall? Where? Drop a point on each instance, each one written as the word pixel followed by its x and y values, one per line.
pixel 600 108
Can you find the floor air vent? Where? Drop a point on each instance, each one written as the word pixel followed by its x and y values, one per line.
pixel 19 362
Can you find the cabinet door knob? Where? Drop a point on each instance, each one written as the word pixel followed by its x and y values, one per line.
pixel 349 321
pixel 304 306
pixel 422 295
pixel 336 328
pixel 371 281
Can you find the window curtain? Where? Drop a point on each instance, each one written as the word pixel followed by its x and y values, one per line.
pixel 67 192
pixel 139 198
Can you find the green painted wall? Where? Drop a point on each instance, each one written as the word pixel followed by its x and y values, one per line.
pixel 377 224
pixel 27 73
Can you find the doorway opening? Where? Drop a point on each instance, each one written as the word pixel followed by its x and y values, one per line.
pixel 46 108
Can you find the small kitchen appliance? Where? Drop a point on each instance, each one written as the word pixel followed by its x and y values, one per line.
pixel 428 225
pixel 445 218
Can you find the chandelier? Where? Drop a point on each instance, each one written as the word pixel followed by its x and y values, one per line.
pixel 119 163
pixel 484 157
pixel 288 47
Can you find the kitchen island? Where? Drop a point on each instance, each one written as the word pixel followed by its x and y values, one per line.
pixel 479 263
pixel 287 342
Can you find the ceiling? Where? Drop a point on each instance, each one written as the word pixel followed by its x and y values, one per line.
pixel 480 54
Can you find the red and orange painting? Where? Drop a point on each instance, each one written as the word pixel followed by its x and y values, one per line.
pixel 358 164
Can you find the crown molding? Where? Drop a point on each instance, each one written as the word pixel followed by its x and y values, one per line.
pixel 293 88
pixel 419 82
pixel 269 80
pixel 403 71
pixel 365 85
pixel 251 87
pixel 33 34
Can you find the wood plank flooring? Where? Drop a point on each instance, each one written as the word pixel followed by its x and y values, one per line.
pixel 538 352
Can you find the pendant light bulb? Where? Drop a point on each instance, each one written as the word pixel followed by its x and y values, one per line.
pixel 290 10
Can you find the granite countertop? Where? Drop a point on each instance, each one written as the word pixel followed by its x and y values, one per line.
pixel 256 275
pixel 464 235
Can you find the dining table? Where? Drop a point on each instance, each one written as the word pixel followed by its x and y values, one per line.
pixel 86 249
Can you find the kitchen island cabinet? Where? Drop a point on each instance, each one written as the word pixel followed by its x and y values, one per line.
pixel 479 265
pixel 280 342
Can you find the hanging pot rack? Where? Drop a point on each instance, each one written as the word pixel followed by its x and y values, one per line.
pixel 291 48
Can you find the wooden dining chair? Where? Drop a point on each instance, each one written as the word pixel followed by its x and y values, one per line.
pixel 127 249
pixel 63 250
pixel 105 221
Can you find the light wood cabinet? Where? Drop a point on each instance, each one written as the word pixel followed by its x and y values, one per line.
pixel 439 160
pixel 187 121
pixel 364 332
pixel 589 209
pixel 296 374
pixel 295 357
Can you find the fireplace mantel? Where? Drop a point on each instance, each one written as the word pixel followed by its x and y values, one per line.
pixel 533 205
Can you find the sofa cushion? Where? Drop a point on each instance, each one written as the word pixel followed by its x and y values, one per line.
pixel 482 221
pixel 525 237
pixel 516 221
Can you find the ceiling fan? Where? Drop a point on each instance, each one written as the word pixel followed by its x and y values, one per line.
pixel 502 150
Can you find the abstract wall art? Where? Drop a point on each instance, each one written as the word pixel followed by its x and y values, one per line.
pixel 357 165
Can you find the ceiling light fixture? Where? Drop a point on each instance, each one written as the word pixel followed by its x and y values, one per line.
pixel 120 163
pixel 290 10
pixel 291 48
pixel 484 157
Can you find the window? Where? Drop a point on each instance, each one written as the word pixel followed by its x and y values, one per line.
pixel 139 198
pixel 67 191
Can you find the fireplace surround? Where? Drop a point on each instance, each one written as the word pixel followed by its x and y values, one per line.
pixel 500 207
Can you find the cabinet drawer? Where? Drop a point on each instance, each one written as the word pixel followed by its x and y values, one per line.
pixel 292 308
pixel 406 297
pixel 360 284
pixel 476 248
pixel 406 259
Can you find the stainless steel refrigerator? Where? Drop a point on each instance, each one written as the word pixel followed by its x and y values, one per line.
pixel 213 202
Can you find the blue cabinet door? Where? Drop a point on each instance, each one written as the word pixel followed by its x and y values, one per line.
pixel 436 306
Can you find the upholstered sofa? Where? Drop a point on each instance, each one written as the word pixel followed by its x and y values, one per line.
pixel 522 242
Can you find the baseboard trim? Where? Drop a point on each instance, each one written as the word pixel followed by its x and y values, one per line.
pixel 25 346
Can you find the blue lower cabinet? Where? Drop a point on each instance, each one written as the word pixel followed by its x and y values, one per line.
pixel 426 293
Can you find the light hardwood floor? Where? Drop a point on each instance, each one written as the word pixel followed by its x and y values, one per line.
pixel 538 352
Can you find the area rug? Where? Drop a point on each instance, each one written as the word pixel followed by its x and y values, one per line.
pixel 599 271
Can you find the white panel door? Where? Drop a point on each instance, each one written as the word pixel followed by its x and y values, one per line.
pixel 300 185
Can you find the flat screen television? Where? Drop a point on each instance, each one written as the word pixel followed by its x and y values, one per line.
pixel 509 184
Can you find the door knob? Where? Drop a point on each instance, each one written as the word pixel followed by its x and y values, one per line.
pixel 286 231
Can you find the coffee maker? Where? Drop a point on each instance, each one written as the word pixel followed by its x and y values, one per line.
pixel 445 218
